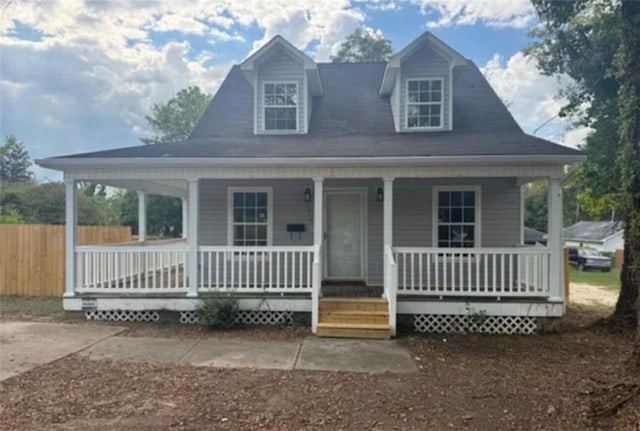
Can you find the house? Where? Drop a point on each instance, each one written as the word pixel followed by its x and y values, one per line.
pixel 534 236
pixel 606 236
pixel 304 182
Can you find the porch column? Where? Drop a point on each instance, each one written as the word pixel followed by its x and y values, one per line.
pixel 71 219
pixel 142 216
pixel 318 233
pixel 192 240
pixel 185 217
pixel 390 285
pixel 554 239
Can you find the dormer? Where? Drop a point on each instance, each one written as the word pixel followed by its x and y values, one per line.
pixel 419 83
pixel 284 82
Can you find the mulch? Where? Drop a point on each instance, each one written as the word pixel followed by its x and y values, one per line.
pixel 475 382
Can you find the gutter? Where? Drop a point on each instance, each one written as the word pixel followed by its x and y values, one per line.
pixel 199 162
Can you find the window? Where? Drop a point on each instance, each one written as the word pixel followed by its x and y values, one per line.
pixel 250 216
pixel 280 106
pixel 457 214
pixel 424 103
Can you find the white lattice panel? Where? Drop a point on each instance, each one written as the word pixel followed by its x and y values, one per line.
pixel 248 317
pixel 123 315
pixel 486 325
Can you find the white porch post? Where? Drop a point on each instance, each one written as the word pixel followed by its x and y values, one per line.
pixel 185 217
pixel 142 216
pixel 192 240
pixel 554 241
pixel 71 219
pixel 318 233
pixel 390 284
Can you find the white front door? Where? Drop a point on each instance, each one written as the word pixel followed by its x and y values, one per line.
pixel 344 229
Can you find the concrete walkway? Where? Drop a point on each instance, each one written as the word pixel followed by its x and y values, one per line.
pixel 312 353
pixel 26 345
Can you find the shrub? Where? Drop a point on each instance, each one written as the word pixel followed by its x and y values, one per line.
pixel 217 312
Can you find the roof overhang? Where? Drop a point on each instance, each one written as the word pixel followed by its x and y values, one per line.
pixel 64 164
pixel 250 65
pixel 393 66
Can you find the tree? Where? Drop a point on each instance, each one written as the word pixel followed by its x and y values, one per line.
pixel 14 161
pixel 363 45
pixel 582 39
pixel 174 121
pixel 628 72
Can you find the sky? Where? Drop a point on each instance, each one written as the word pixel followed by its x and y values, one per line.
pixel 78 76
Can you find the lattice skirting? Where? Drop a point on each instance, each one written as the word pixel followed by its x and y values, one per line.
pixel 248 317
pixel 479 324
pixel 123 315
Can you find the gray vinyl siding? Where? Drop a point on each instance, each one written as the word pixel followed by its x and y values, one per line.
pixel 280 66
pixel 412 227
pixel 424 63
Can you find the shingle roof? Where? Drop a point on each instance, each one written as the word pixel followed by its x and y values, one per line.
pixel 592 230
pixel 533 235
pixel 351 119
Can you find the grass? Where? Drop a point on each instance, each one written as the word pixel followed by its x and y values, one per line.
pixel 31 308
pixel 607 280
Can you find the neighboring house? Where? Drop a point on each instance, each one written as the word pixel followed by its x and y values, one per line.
pixel 606 236
pixel 303 180
pixel 534 237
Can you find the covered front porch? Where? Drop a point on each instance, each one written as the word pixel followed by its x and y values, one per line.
pixel 294 240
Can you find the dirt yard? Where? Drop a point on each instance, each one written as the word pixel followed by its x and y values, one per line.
pixel 465 382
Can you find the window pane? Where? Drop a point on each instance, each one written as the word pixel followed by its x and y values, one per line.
pixel 435 122
pixel 469 199
pixel 469 215
pixel 238 232
pixel 250 232
pixel 238 215
pixel 468 233
pixel 261 233
pixel 250 199
pixel 262 215
pixel 238 199
pixel 456 199
pixel 262 199
pixel 443 233
pixel 436 85
pixel 250 215
pixel 435 109
pixel 443 198
pixel 268 89
pixel 443 215
pixel 456 215
pixel 413 85
pixel 443 243
pixel 436 96
pixel 456 233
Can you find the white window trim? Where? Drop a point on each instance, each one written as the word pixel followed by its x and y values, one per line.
pixel 264 108
pixel 478 211
pixel 406 103
pixel 269 192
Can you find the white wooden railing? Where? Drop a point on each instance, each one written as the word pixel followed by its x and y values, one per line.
pixel 487 272
pixel 131 268
pixel 256 269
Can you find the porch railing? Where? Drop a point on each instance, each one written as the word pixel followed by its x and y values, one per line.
pixel 131 268
pixel 485 272
pixel 256 269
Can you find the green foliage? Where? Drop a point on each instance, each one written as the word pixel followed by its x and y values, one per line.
pixel 174 121
pixel 164 213
pixel 217 312
pixel 14 161
pixel 363 45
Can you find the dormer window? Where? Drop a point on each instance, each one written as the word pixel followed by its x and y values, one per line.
pixel 280 106
pixel 424 103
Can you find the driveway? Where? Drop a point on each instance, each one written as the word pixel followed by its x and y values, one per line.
pixel 26 345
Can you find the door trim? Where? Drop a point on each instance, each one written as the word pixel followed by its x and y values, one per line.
pixel 364 229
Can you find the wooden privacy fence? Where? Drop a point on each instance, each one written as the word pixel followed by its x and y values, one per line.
pixel 32 255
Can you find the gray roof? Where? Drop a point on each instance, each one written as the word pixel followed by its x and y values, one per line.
pixel 532 236
pixel 592 230
pixel 351 119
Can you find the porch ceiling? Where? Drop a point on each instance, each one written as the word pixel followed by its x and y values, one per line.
pixel 165 187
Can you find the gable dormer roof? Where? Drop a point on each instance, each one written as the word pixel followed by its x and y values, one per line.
pixel 393 65
pixel 250 65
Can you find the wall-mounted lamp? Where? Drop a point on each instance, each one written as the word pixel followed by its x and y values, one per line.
pixel 307 194
pixel 379 194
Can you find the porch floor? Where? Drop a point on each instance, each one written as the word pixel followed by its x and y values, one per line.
pixel 351 290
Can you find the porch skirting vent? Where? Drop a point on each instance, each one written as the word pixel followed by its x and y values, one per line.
pixel 477 324
pixel 123 315
pixel 248 317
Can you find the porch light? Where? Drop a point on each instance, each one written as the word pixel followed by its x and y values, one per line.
pixel 379 194
pixel 307 194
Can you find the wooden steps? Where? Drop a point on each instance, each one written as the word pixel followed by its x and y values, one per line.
pixel 353 318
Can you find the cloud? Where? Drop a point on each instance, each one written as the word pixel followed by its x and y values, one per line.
pixel 503 13
pixel 532 98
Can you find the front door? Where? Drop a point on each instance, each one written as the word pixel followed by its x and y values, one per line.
pixel 344 234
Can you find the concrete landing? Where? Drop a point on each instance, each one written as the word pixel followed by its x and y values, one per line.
pixel 26 345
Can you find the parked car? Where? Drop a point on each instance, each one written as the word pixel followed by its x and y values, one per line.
pixel 589 258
